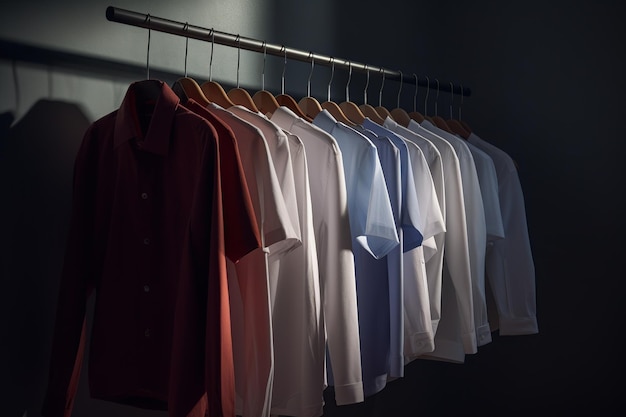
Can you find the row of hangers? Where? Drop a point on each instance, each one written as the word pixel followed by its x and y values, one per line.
pixel 308 107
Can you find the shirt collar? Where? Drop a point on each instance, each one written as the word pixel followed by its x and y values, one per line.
pixel 158 133
pixel 284 117
pixel 325 120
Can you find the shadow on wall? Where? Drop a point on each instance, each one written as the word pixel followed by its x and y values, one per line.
pixel 36 163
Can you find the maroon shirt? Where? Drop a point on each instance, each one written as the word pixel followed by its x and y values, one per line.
pixel 147 234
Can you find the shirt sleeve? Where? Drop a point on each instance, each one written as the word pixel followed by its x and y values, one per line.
pixel 339 289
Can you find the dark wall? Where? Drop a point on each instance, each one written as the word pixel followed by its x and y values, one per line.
pixel 547 87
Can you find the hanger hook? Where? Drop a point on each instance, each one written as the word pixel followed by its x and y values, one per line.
pixel 308 83
pixel 282 78
pixel 451 98
pixel 400 89
pixel 437 96
pixel 426 97
pixel 148 20
pixel 238 57
pixel 348 82
pixel 211 56
pixel 380 93
pixel 415 95
pixel 332 73
pixel 367 82
pixel 263 70
pixel 185 28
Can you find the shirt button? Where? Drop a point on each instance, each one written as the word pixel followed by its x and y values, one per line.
pixel 146 288
pixel 146 241
pixel 146 332
pixel 144 196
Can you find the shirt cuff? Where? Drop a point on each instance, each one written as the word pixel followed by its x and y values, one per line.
pixel 470 346
pixel 349 394
pixel 483 334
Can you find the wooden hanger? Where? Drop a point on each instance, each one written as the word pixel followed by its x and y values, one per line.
pixel 441 124
pixel 457 128
pixel 415 115
pixel 382 111
pixel 238 95
pixel 241 97
pixel 332 107
pixel 350 109
pixel 465 125
pixel 213 90
pixel 265 102
pixel 367 110
pixel 190 89
pixel 263 99
pixel 309 104
pixel 286 100
pixel 186 87
pixel 399 114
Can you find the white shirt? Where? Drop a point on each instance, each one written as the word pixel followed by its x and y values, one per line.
pixel 458 337
pixel 416 306
pixel 336 260
pixel 433 253
pixel 374 234
pixel 476 229
pixel 510 265
pixel 419 336
pixel 249 278
pixel 488 179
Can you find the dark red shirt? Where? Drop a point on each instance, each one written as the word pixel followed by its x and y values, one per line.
pixel 147 234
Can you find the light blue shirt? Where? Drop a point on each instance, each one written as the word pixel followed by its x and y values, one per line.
pixel 361 160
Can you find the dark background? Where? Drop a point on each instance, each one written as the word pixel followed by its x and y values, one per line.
pixel 548 87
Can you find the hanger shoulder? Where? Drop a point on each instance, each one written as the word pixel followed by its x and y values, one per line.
pixel 215 93
pixel 242 97
pixel 466 126
pixel 334 109
pixel 310 106
pixel 401 116
pixel 457 128
pixel 192 90
pixel 289 102
pixel 383 112
pixel 370 112
pixel 265 102
pixel 441 124
pixel 352 112
pixel 417 116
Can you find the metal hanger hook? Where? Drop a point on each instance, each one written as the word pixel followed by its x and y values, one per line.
pixel 148 51
pixel 348 82
pixel 263 70
pixel 308 82
pixel 400 89
pixel 367 83
pixel 382 84
pixel 238 57
pixel 415 94
pixel 186 28
pixel 211 56
pixel 437 96
pixel 332 74
pixel 282 78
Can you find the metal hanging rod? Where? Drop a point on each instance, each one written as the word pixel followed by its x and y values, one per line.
pixel 115 14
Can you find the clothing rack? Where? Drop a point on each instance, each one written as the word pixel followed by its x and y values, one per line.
pixel 147 21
